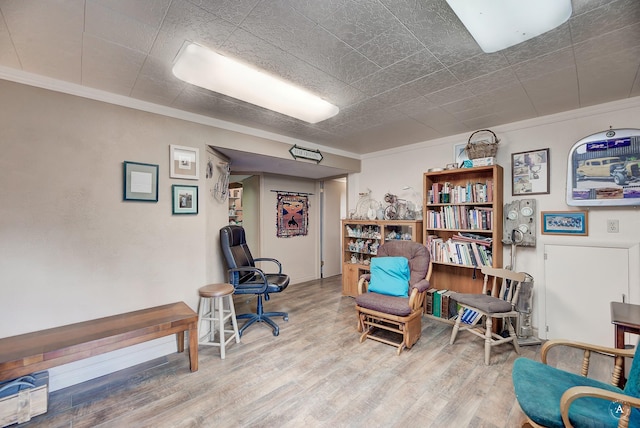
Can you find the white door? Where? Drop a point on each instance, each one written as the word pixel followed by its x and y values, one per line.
pixel 333 209
pixel 580 284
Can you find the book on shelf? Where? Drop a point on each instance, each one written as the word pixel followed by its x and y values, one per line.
pixel 469 316
pixel 444 304
pixel 429 303
pixel 437 302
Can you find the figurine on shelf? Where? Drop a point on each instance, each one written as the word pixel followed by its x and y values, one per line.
pixel 367 261
pixel 352 245
pixel 354 258
pixel 374 248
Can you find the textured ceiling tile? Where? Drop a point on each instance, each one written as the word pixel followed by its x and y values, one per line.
pixel 434 117
pixel 491 82
pixel 478 66
pixel 149 12
pixel 156 83
pixel 415 66
pixel 263 55
pixel 390 47
pixel 108 66
pixel 399 94
pixel 582 6
pixel 47 36
pixel 614 41
pixel 437 27
pixel 451 94
pixel 553 40
pixel 550 91
pixel 8 55
pixel 286 28
pixel 435 82
pixel 415 105
pixel 317 10
pixel 233 11
pixel 358 22
pixel 471 103
pixel 109 25
pixel 544 64
pixel 621 69
pixel 611 17
pixel 378 82
pixel 350 67
pixel 381 137
pixel 186 22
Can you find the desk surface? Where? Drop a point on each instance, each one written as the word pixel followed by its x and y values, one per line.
pixel 625 314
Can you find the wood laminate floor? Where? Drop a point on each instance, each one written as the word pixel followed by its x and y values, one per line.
pixel 316 373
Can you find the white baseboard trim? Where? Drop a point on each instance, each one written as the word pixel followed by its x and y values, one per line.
pixel 100 365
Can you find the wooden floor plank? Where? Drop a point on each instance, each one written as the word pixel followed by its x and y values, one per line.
pixel 316 373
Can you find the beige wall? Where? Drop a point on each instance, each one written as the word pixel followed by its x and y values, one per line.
pixel 71 250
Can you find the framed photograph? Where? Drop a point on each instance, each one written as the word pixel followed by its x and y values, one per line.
pixel 460 154
pixel 184 162
pixel 565 223
pixel 603 169
pixel 530 173
pixel 140 182
pixel 185 199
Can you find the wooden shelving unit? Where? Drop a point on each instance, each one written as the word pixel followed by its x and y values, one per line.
pixel 360 241
pixel 463 201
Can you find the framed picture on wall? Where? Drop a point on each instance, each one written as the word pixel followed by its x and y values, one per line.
pixel 140 182
pixel 530 173
pixel 565 223
pixel 184 162
pixel 184 199
pixel 460 154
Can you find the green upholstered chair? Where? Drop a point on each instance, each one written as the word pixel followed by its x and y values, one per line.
pixel 551 397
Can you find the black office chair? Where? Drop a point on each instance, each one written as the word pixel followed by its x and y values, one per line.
pixel 246 278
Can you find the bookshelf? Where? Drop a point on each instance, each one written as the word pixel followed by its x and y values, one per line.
pixel 360 242
pixel 463 225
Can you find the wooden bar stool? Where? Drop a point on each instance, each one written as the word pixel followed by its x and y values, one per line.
pixel 211 310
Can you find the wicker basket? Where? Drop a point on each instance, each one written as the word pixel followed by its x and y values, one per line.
pixel 482 144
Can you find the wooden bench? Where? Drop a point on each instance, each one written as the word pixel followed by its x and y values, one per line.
pixel 41 350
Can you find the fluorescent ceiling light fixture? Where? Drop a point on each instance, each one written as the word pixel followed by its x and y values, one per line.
pixel 203 67
pixel 499 24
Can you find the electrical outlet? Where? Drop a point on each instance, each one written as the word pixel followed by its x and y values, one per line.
pixel 613 226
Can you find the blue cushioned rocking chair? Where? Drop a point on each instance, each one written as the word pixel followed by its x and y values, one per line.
pixel 551 397
pixel 391 297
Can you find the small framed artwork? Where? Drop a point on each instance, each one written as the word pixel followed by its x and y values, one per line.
pixel 184 162
pixel 140 182
pixel 185 199
pixel 460 154
pixel 565 223
pixel 530 173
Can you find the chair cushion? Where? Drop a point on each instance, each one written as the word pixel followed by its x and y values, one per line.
pixel 483 302
pixel 539 387
pixel 416 253
pixel 387 304
pixel 390 276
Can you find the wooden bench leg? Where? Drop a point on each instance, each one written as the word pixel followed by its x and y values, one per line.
pixel 193 347
pixel 180 341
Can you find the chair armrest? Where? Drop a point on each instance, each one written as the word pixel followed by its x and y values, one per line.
pixel 268 259
pixel 422 285
pixel 604 350
pixel 577 392
pixel 363 283
pixel 249 269
pixel 618 354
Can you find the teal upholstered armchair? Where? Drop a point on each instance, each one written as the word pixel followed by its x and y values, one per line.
pixel 551 397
